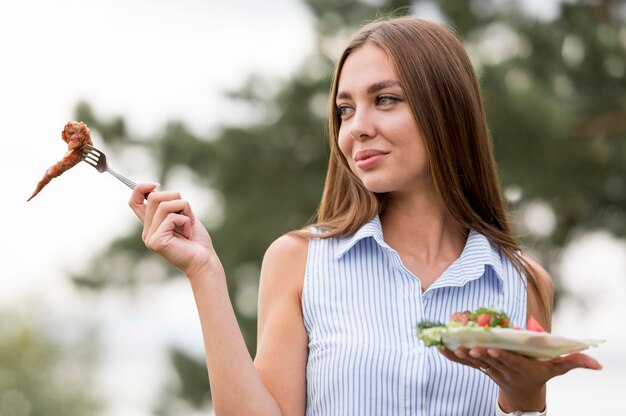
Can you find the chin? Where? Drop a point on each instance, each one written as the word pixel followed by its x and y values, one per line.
pixel 377 187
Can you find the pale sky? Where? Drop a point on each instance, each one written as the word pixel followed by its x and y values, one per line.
pixel 152 61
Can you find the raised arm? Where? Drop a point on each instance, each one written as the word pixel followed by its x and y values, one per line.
pixel 237 388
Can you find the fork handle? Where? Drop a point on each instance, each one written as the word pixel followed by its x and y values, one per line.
pixel 130 183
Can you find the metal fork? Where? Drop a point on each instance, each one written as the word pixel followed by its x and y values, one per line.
pixel 98 160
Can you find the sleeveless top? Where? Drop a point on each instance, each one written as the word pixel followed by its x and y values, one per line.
pixel 361 306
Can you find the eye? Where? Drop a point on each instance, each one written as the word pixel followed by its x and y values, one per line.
pixel 384 100
pixel 344 110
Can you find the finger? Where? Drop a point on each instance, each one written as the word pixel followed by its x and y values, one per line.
pixel 452 356
pixel 153 201
pixel 165 234
pixel 514 361
pixel 136 201
pixel 491 358
pixel 479 356
pixel 482 360
pixel 499 372
pixel 468 360
pixel 490 370
pixel 176 206
pixel 461 352
pixel 459 356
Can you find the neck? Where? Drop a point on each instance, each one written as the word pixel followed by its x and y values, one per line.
pixel 419 225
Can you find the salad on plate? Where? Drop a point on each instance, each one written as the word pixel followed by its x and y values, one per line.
pixel 492 328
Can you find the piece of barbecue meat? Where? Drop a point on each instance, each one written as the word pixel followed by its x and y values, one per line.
pixel 76 135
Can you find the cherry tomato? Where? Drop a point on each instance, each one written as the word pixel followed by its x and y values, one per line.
pixel 483 319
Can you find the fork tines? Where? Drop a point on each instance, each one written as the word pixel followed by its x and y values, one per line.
pixel 91 152
pixel 92 156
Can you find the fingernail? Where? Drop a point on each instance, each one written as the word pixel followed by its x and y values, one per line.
pixel 459 353
pixel 475 354
pixel 493 353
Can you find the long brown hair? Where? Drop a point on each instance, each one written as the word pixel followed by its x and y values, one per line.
pixel 442 89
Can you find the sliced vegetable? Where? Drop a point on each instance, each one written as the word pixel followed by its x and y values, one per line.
pixel 534 325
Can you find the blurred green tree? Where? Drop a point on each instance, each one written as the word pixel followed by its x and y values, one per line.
pixel 40 377
pixel 555 95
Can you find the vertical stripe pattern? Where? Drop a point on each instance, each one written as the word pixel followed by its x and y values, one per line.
pixel 361 307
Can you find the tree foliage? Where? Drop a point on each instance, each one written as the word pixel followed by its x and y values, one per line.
pixel 554 91
pixel 40 377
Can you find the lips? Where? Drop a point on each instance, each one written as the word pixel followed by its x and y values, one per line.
pixel 368 157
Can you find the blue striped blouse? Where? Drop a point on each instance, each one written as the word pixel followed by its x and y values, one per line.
pixel 361 306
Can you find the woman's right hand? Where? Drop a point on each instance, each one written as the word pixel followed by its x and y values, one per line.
pixel 171 230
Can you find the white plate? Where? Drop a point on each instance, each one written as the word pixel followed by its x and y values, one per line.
pixel 530 343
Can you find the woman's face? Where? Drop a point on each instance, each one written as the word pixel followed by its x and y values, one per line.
pixel 378 135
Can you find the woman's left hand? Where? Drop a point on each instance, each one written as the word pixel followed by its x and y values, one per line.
pixel 521 379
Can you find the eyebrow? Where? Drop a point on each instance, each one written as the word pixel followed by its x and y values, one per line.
pixel 375 87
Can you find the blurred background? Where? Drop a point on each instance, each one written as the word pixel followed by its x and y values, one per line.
pixel 226 101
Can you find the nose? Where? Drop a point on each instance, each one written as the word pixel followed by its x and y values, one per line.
pixel 362 126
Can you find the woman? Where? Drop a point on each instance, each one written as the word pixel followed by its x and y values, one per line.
pixel 411 226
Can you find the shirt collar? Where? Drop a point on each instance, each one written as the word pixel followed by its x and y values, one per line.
pixel 478 253
pixel 373 228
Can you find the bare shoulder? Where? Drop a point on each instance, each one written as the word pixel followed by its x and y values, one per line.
pixel 287 253
pixel 284 263
pixel 285 247
pixel 541 296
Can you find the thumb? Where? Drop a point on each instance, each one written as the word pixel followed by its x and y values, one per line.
pixel 136 201
pixel 577 360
